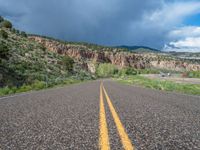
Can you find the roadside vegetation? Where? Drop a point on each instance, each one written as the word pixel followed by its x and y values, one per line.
pixel 27 65
pixel 105 70
pixel 193 74
pixel 132 76
pixel 160 85
pixel 37 85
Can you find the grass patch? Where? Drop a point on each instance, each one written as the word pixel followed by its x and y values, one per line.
pixel 193 74
pixel 161 85
pixel 37 85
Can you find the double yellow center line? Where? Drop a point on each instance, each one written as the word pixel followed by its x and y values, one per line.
pixel 103 136
pixel 104 139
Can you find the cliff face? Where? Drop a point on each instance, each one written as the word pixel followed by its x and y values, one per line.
pixel 82 53
pixel 175 65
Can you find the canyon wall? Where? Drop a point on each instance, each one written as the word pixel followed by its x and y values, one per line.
pixel 82 53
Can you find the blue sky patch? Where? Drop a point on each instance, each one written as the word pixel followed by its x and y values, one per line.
pixel 193 20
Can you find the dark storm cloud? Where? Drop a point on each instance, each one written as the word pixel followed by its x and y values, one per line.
pixel 108 22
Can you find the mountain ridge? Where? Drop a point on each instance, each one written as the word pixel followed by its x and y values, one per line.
pixel 139 48
pixel 134 48
pixel 26 59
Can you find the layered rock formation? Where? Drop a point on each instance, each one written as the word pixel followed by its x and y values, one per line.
pixel 175 65
pixel 80 53
pixel 121 59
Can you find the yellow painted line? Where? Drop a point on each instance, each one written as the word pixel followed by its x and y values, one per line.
pixel 103 136
pixel 126 142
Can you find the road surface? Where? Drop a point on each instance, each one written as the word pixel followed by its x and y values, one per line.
pixel 97 115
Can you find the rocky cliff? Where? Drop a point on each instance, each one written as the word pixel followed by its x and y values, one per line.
pixel 176 65
pixel 82 53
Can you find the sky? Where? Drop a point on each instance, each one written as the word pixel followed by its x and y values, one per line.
pixel 169 25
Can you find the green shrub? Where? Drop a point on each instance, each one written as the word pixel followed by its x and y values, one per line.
pixel 193 74
pixel 4 51
pixel 37 85
pixel 83 75
pixel 24 88
pixel 42 47
pixel 13 89
pixel 1 19
pixel 3 34
pixel 127 71
pixel 148 71
pixel 17 31
pixel 70 81
pixel 122 72
pixel 13 30
pixel 6 24
pixel 68 63
pixel 131 71
pixel 106 70
pixel 23 34
pixel 4 91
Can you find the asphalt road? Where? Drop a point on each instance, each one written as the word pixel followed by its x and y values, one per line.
pixel 79 117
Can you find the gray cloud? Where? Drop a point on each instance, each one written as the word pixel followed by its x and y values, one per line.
pixel 107 22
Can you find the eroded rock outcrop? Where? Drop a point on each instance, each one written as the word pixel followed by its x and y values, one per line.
pixel 121 59
pixel 79 52
pixel 175 65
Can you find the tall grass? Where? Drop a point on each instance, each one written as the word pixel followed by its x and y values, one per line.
pixel 161 85
pixel 193 74
pixel 106 70
pixel 37 85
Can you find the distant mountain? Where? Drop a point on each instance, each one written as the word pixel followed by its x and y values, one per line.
pixel 139 48
pixel 30 62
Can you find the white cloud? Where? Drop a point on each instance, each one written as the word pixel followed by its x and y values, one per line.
pixel 113 22
pixel 161 24
pixel 168 48
pixel 191 42
pixel 181 39
pixel 184 39
pixel 171 14
pixel 183 32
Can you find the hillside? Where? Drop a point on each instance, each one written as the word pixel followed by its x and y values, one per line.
pixel 118 57
pixel 27 62
pixel 139 49
pixel 32 59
